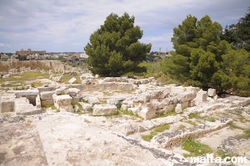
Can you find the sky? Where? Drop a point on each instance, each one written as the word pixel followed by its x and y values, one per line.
pixel 66 25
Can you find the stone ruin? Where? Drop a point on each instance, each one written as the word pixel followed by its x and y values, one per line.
pixel 140 99
pixel 146 98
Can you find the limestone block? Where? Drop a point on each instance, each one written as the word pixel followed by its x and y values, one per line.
pixel 23 107
pixel 116 101
pixel 7 103
pixel 86 76
pixel 104 109
pixel 56 78
pixel 178 108
pixel 86 106
pixel 47 95
pixel 169 108
pixel 38 102
pixel 76 99
pixel 109 79
pixel 29 92
pixel 63 102
pixel 72 91
pixel 135 110
pixel 128 128
pixel 154 105
pixel 45 103
pixel 211 92
pixel 124 107
pixel 91 99
pixel 145 97
pixel 72 80
pixel 186 96
pixel 185 104
pixel 146 113
pixel 6 76
pixel 201 97
pixel 60 90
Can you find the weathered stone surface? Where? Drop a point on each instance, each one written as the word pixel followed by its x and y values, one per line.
pixel 168 140
pixel 128 128
pixel 56 78
pixel 7 103
pixel 200 97
pixel 108 86
pixel 60 90
pixel 178 108
pixel 20 144
pixel 38 102
pixel 6 76
pixel 73 91
pixel 46 98
pixel 91 99
pixel 115 101
pixel 236 146
pixel 211 92
pixel 86 106
pixel 72 80
pixel 63 102
pixel 146 113
pixel 29 92
pixel 23 107
pixel 104 109
pixel 47 95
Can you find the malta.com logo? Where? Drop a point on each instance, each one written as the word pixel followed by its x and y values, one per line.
pixel 209 158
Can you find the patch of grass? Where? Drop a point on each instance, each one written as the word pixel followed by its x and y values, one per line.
pixel 246 134
pixel 130 113
pixel 181 127
pixel 156 130
pixel 192 123
pixel 148 137
pixel 20 79
pixel 222 154
pixel 234 126
pixel 67 77
pixel 162 128
pixel 194 115
pixel 196 148
pixel 211 119
pixel 169 113
pixel 127 112
pixel 36 84
pixel 22 118
pixel 107 93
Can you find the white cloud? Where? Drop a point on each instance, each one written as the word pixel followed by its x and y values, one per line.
pixel 5 45
pixel 62 25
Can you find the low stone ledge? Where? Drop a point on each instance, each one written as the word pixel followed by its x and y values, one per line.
pixel 104 109
pixel 169 139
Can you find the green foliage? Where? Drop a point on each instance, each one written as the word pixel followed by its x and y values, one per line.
pixel 194 115
pixel 181 127
pixel 162 127
pixel 192 123
pixel 196 50
pixel 239 34
pixel 196 148
pixel 114 48
pixel 156 130
pixel 169 113
pixel 234 76
pixel 202 58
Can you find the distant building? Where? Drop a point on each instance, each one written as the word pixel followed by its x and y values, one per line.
pixel 29 52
